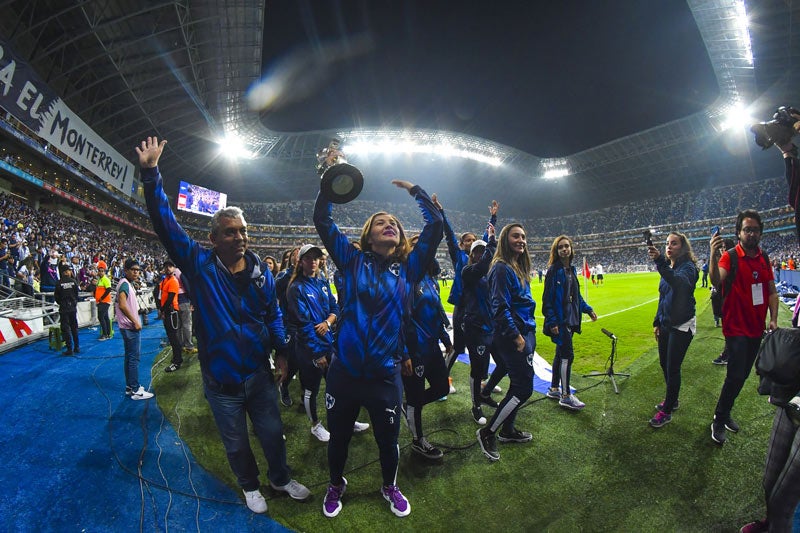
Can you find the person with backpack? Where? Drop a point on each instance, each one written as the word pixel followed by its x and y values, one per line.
pixel 748 296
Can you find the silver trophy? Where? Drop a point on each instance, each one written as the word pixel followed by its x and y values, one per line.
pixel 341 182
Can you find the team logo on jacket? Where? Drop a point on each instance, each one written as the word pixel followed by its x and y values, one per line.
pixel 260 281
pixel 755 275
pixel 325 291
pixel 481 349
pixel 394 268
pixel 329 401
pixel 530 360
pixel 419 370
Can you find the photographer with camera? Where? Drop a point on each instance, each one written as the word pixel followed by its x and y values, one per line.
pixel 779 131
pixel 747 297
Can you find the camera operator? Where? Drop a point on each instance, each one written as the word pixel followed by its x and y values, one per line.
pixel 789 151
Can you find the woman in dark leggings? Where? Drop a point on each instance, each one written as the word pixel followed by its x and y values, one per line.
pixel 514 336
pixel 675 321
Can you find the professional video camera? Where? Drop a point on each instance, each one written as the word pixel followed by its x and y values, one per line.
pixel 778 131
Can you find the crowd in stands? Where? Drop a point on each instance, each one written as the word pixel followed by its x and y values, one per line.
pixel 30 237
pixel 609 236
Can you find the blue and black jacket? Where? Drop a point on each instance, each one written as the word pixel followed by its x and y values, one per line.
pixel 309 302
pixel 475 297
pixel 373 291
pixel 676 303
pixel 237 319
pixel 512 303
pixel 558 306
pixel 425 325
pixel 459 257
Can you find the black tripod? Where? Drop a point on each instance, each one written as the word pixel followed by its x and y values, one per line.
pixel 610 371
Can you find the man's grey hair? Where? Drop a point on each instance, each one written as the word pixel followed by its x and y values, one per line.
pixel 228 212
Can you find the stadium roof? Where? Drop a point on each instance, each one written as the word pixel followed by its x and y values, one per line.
pixel 629 101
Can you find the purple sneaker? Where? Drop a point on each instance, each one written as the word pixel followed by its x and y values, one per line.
pixel 333 499
pixel 660 419
pixel 397 502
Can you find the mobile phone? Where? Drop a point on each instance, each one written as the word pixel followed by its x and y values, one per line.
pixel 648 237
pixel 715 230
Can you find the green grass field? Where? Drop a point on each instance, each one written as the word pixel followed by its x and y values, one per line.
pixel 602 469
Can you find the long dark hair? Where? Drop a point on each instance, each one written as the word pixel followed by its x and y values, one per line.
pixel 520 264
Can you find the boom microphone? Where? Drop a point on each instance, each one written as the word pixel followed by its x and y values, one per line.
pixel 608 333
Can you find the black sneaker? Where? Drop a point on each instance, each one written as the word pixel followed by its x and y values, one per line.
pixel 286 400
pixel 67 352
pixel 172 367
pixel 486 399
pixel 718 432
pixel 488 443
pixel 426 449
pixel 721 360
pixel 732 426
pixel 514 436
pixel 477 416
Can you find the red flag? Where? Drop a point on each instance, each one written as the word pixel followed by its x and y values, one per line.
pixel 586 273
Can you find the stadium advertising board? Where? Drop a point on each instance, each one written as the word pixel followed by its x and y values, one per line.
pixel 197 199
pixel 29 100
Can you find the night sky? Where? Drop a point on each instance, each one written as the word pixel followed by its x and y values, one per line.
pixel 548 78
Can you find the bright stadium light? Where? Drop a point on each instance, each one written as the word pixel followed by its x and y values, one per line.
pixel 555 168
pixel 732 116
pixel 402 143
pixel 233 147
pixel 742 26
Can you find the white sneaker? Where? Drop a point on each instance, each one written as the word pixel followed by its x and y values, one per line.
pixel 297 491
pixel 255 501
pixel 358 427
pixel 320 432
pixel 141 394
pixel 495 390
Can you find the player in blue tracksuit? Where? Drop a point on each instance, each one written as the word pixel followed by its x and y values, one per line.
pixel 477 323
pixel 459 254
pixel 563 305
pixel 311 311
pixel 281 287
pixel 238 323
pixel 514 335
pixel 424 329
pixel 365 369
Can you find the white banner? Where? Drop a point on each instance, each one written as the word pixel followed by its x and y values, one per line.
pixel 31 102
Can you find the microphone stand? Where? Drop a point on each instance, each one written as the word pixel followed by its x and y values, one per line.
pixel 610 371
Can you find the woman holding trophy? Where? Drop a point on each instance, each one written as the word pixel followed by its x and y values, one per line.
pixel 365 369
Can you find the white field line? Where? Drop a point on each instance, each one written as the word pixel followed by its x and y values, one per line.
pixel 651 300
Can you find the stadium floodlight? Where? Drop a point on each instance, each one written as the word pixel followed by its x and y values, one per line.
pixel 389 142
pixel 730 116
pixel 233 147
pixel 742 26
pixel 555 168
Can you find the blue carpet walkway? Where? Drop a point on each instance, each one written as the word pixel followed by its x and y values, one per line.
pixel 79 456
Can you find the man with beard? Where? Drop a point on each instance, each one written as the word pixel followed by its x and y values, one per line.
pixel 747 297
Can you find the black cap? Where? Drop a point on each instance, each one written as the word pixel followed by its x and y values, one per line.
pixel 130 263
